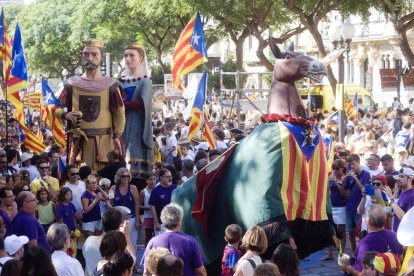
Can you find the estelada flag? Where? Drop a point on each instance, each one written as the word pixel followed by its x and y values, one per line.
pixel 190 51
pixel 51 105
pixel 30 140
pixel 207 182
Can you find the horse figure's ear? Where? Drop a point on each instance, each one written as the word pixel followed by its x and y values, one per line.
pixel 275 50
pixel 291 47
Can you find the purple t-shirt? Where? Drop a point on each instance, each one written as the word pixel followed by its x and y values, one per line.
pixel 160 197
pixel 7 223
pixel 337 200
pixel 406 201
pixel 25 224
pixel 181 245
pixel 355 194
pixel 381 241
pixel 67 212
pixel 95 213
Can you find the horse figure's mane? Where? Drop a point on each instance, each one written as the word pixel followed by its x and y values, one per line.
pixel 289 67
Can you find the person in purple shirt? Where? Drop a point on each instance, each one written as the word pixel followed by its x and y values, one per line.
pixel 66 211
pixel 6 202
pixel 354 184
pixel 387 163
pixel 161 196
pixel 378 239
pixel 179 244
pixel 25 223
pixel 406 198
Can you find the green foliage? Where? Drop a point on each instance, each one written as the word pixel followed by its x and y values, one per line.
pixel 157 74
pixel 229 81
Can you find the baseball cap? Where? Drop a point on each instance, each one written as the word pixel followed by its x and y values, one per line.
pixel 379 178
pixel 13 243
pixel 405 171
pixel 25 156
pixel 387 263
pixel 104 183
pixel 203 145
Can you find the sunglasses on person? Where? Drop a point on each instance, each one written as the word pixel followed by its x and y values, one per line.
pixel 44 168
pixel 376 183
pixel 73 174
pixel 125 176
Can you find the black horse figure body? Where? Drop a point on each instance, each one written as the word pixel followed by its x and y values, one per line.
pixel 276 177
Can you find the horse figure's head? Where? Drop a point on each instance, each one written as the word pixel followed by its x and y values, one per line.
pixel 291 66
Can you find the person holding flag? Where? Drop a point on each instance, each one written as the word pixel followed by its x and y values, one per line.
pixel 96 111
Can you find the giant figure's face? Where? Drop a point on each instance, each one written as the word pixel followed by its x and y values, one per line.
pixel 91 58
pixel 132 58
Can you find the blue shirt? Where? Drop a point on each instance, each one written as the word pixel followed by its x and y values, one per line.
pixel 25 224
pixel 67 212
pixel 355 194
pixel 126 200
pixel 7 223
pixel 95 213
pixel 337 200
pixel 160 197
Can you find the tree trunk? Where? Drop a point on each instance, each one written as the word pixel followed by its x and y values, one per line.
pixel 405 47
pixel 313 29
pixel 260 54
pixel 239 54
pixel 159 59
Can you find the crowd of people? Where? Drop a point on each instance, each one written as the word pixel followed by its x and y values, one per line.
pixel 85 218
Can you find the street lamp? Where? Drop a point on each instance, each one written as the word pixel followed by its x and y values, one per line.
pixel 341 37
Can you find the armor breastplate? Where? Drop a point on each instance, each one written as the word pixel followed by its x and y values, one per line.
pixel 97 118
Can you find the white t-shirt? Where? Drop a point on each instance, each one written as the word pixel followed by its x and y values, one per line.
pixel 172 142
pixel 91 253
pixel 65 265
pixel 77 191
pixel 245 265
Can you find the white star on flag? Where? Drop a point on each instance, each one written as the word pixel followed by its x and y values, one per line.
pixel 48 98
pixel 196 38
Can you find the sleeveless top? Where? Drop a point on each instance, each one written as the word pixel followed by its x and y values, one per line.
pixel 147 213
pixel 126 200
pixel 45 213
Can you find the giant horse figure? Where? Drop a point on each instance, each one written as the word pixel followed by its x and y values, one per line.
pixel 276 177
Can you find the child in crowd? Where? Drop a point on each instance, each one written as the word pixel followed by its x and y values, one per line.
pixel 66 211
pixel 231 255
pixel 91 220
pixel 46 209
pixel 144 198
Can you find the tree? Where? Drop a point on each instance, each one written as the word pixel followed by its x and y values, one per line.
pixel 401 15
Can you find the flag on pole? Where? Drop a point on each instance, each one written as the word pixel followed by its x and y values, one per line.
pixel 18 75
pixel 51 105
pixel 199 118
pixel 352 107
pixel 332 56
pixel 190 50
pixel 30 140
pixel 5 44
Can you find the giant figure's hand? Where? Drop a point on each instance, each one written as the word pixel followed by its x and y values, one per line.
pixel 72 116
pixel 118 146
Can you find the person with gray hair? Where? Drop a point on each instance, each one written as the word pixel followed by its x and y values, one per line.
pixel 58 237
pixel 378 239
pixel 178 243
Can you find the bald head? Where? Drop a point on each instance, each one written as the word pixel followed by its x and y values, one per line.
pixel 376 216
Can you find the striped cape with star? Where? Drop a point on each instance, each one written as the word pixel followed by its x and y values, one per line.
pixel 190 51
pixel 275 178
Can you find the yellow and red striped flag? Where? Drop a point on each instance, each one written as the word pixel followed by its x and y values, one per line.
pixel 190 50
pixel 51 105
pixel 6 53
pixel 39 135
pixel 199 119
pixel 18 77
pixel 32 101
pixel 207 134
pixel 30 140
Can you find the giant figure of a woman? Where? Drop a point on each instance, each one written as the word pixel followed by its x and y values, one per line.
pixel 138 128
